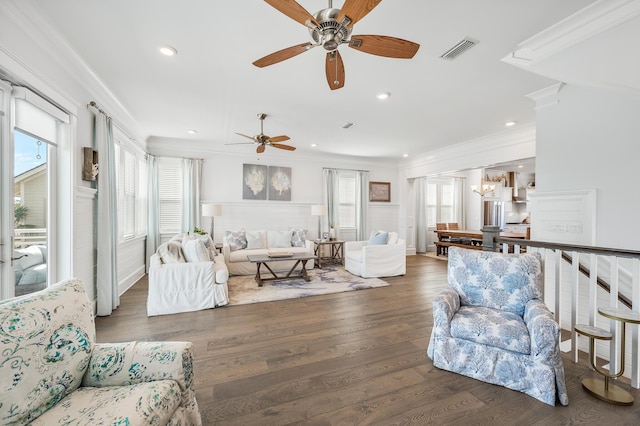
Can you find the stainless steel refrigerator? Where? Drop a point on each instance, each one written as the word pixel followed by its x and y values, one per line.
pixel 493 213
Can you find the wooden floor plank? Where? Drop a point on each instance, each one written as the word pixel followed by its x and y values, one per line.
pixel 342 359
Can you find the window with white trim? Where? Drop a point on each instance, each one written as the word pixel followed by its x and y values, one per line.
pixel 347 198
pixel 131 172
pixel 170 194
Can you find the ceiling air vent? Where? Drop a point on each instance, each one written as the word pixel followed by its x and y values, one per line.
pixel 460 47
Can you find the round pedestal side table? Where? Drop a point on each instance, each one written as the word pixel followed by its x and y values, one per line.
pixel 602 388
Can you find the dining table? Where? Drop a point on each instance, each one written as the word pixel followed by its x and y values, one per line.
pixel 472 234
pixel 470 238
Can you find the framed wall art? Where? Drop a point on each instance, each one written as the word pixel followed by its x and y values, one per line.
pixel 380 191
pixel 254 182
pixel 279 183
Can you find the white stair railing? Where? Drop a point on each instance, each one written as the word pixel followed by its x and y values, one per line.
pixel 575 297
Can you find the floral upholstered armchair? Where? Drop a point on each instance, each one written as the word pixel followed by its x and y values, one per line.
pixel 491 324
pixel 53 372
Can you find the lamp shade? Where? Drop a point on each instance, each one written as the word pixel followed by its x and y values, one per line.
pixel 318 210
pixel 211 210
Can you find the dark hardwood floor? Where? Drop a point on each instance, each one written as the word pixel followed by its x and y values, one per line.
pixel 344 359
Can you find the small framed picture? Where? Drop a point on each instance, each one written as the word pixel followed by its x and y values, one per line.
pixel 380 191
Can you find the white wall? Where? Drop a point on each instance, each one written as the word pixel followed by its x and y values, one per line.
pixel 591 140
pixel 33 55
pixel 222 184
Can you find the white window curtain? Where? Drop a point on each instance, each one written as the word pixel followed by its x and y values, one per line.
pixel 191 176
pixel 153 211
pixel 420 185
pixel 362 200
pixel 331 184
pixel 458 201
pixel 108 297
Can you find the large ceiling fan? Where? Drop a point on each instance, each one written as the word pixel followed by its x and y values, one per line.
pixel 263 140
pixel 330 28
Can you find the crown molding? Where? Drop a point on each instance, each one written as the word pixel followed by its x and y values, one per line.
pixel 582 25
pixel 476 150
pixel 171 147
pixel 546 97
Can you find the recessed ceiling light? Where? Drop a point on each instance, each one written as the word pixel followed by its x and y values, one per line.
pixel 347 125
pixel 405 155
pixel 192 132
pixel 313 145
pixel 520 166
pixel 168 51
pixel 383 95
pixel 510 123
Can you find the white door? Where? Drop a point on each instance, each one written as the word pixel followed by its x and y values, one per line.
pixel 30 128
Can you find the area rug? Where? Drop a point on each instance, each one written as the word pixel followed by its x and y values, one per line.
pixel 244 289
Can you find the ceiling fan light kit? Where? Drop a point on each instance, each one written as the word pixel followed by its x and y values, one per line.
pixel 332 27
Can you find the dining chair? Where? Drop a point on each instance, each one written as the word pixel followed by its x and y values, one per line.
pixel 452 226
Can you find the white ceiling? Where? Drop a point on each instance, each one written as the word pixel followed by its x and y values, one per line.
pixel 211 85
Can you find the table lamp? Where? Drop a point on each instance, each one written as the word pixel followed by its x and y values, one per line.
pixel 319 210
pixel 211 210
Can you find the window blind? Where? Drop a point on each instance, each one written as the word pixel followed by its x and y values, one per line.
pixel 170 191
pixel 129 184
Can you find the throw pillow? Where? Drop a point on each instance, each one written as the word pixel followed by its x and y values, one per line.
pixel 297 237
pixel 255 240
pixel 171 252
pixel 280 239
pixel 393 238
pixel 195 250
pixel 237 240
pixel 206 239
pixel 378 238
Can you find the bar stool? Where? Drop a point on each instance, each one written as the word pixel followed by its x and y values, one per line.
pixel 602 388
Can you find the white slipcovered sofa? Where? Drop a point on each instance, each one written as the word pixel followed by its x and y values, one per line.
pixel 237 245
pixel 186 274
pixel 30 269
pixel 52 371
pixel 383 255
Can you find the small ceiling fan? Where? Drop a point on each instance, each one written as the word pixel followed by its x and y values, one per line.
pixel 263 140
pixel 330 28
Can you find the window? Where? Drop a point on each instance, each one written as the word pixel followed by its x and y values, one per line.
pixel 131 170
pixel 129 198
pixel 347 197
pixel 170 193
pixel 440 201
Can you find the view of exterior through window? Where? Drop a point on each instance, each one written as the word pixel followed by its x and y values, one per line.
pixel 30 213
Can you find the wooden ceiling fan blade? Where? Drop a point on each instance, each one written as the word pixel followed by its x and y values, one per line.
pixel 282 55
pixel 283 146
pixel 260 148
pixel 355 10
pixel 390 47
pixel 281 138
pixel 334 68
pixel 294 11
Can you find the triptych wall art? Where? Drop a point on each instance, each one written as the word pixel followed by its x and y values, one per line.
pixel 266 182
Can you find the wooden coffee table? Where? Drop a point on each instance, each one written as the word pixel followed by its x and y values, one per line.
pixel 263 259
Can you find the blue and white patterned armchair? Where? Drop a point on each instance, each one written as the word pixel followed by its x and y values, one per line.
pixel 52 372
pixel 491 324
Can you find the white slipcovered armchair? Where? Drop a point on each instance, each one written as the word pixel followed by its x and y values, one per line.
pixel 377 257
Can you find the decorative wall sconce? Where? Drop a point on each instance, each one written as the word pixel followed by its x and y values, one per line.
pixel 485 189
